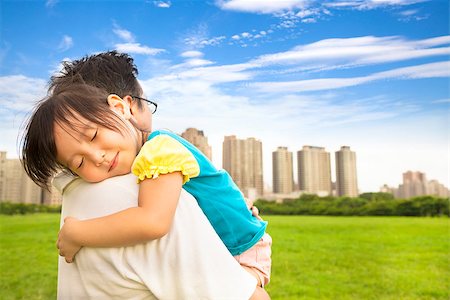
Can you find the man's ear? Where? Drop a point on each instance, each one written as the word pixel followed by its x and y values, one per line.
pixel 120 106
pixel 129 100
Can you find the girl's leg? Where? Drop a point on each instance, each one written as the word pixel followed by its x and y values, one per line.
pixel 257 261
pixel 255 274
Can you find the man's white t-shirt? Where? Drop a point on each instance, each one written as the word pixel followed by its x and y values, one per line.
pixel 190 262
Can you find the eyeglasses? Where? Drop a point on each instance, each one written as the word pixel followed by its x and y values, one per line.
pixel 151 105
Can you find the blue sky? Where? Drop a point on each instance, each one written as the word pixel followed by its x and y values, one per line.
pixel 372 75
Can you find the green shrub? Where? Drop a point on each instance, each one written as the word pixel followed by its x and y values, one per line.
pixel 369 204
pixel 8 208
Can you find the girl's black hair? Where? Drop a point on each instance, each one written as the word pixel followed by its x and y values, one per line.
pixel 65 104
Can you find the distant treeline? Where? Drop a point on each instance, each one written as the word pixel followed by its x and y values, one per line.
pixel 368 204
pixel 8 208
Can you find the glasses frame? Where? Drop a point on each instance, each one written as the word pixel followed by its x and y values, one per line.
pixel 148 102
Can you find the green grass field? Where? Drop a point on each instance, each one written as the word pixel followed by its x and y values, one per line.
pixel 313 257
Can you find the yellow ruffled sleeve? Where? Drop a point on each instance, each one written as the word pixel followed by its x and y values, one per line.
pixel 162 155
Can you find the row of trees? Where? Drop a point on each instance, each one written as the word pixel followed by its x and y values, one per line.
pixel 8 208
pixel 368 204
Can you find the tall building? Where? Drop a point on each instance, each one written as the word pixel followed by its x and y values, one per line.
pixel 436 188
pixel 15 186
pixel 390 190
pixel 414 184
pixel 346 179
pixel 314 170
pixel 283 178
pixel 243 161
pixel 53 197
pixel 199 140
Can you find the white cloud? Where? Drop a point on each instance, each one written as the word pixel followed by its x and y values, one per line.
pixel 441 101
pixel 124 34
pixel 409 12
pixel 18 93
pixel 200 42
pixel 212 41
pixel 213 74
pixel 192 63
pixel 431 70
pixel 438 69
pixel 137 48
pixel 358 51
pixel 51 3
pixel 294 12
pixel 412 15
pixel 66 43
pixel 370 4
pixel 235 37
pixel 287 24
pixel 162 4
pixel 309 20
pixel 192 53
pixel 325 55
pixel 198 62
pixel 262 6
pixel 306 13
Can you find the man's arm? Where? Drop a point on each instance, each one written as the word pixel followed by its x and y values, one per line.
pixel 190 262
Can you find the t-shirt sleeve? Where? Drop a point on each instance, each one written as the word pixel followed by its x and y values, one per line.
pixel 162 155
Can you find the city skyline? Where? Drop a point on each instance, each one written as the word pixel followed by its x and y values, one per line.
pixel 370 74
pixel 244 165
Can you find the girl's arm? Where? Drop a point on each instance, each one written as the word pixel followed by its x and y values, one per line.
pixel 158 200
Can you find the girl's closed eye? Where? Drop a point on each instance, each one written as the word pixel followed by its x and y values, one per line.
pixel 95 135
pixel 92 139
pixel 81 162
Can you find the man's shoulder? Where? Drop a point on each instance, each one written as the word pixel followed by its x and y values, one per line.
pixel 62 180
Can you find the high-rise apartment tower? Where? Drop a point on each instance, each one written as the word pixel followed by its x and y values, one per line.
pixel 283 180
pixel 15 186
pixel 346 179
pixel 199 140
pixel 243 161
pixel 314 170
pixel 414 184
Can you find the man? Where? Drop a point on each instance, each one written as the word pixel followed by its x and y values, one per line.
pixel 188 263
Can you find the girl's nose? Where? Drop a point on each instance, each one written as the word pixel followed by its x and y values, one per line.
pixel 99 157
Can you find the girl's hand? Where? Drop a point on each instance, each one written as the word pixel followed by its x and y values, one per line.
pixel 252 208
pixel 66 244
pixel 255 212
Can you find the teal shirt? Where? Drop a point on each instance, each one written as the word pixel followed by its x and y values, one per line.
pixel 221 201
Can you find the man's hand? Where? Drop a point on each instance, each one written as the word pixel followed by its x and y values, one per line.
pixel 66 245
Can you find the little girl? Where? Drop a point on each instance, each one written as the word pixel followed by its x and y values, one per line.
pixel 75 129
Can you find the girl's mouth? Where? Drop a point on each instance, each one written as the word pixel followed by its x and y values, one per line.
pixel 114 162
